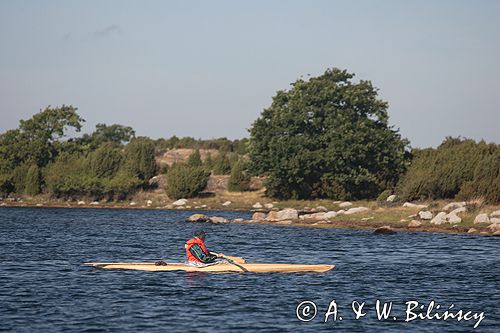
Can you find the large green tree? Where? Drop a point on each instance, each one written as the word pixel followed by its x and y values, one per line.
pixel 327 137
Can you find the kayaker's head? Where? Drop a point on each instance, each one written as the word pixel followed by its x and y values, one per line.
pixel 200 234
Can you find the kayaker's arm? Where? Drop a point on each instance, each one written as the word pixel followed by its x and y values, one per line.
pixel 197 251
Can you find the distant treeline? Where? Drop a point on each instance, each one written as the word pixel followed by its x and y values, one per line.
pixel 327 137
pixel 109 163
pixel 221 144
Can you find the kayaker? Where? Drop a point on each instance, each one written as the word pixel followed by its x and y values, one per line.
pixel 197 252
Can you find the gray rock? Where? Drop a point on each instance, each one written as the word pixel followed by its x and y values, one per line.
pixel 425 215
pixel 218 219
pixel 330 214
pixel 227 203
pixel 345 204
pixel 495 213
pixel 495 220
pixel 258 216
pixel 321 209
pixel 315 216
pixel 132 203
pixel 238 220
pixel 459 210
pixel 471 231
pixel 180 202
pixel 440 218
pixel 482 218
pixel 149 202
pixel 80 203
pixel 453 205
pixel 453 218
pixel 412 205
pixel 257 205
pixel 268 205
pixel 356 210
pixel 285 214
pixel 198 218
pixel 391 198
pixel 341 212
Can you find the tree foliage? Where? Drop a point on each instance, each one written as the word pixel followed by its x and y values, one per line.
pixel 140 158
pixel 194 159
pixel 221 164
pixel 185 181
pixel 327 137
pixel 33 181
pixel 457 167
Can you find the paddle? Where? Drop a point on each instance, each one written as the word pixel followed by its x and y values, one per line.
pixel 234 259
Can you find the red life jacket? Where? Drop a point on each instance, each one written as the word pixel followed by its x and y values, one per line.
pixel 192 242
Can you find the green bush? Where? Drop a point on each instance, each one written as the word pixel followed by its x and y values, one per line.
pixel 221 166
pixel 105 160
pixel 19 177
pixel 121 185
pixel 184 181
pixel 458 167
pixel 33 181
pixel 194 159
pixel 240 179
pixel 140 158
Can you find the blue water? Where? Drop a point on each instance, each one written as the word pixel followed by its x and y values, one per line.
pixel 45 288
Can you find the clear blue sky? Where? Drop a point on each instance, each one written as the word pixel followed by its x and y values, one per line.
pixel 208 68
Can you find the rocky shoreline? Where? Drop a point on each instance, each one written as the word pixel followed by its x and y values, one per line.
pixel 451 218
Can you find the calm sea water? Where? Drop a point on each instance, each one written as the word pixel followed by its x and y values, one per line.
pixel 45 288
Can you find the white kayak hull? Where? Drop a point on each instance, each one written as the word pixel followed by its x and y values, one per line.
pixel 220 267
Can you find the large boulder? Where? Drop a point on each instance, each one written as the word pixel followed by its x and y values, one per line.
pixel 345 204
pixel 440 218
pixel 453 205
pixel 425 215
pixel 258 216
pixel 495 213
pixel 356 210
pixel 391 198
pixel 285 214
pixel 412 205
pixel 330 214
pixel 453 218
pixel 459 210
pixel 180 202
pixel 495 220
pixel 198 218
pixel 482 218
pixel 218 219
pixel 315 216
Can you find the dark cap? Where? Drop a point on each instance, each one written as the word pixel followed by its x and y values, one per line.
pixel 200 234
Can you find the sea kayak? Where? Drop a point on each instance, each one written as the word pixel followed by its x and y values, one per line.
pixel 220 267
